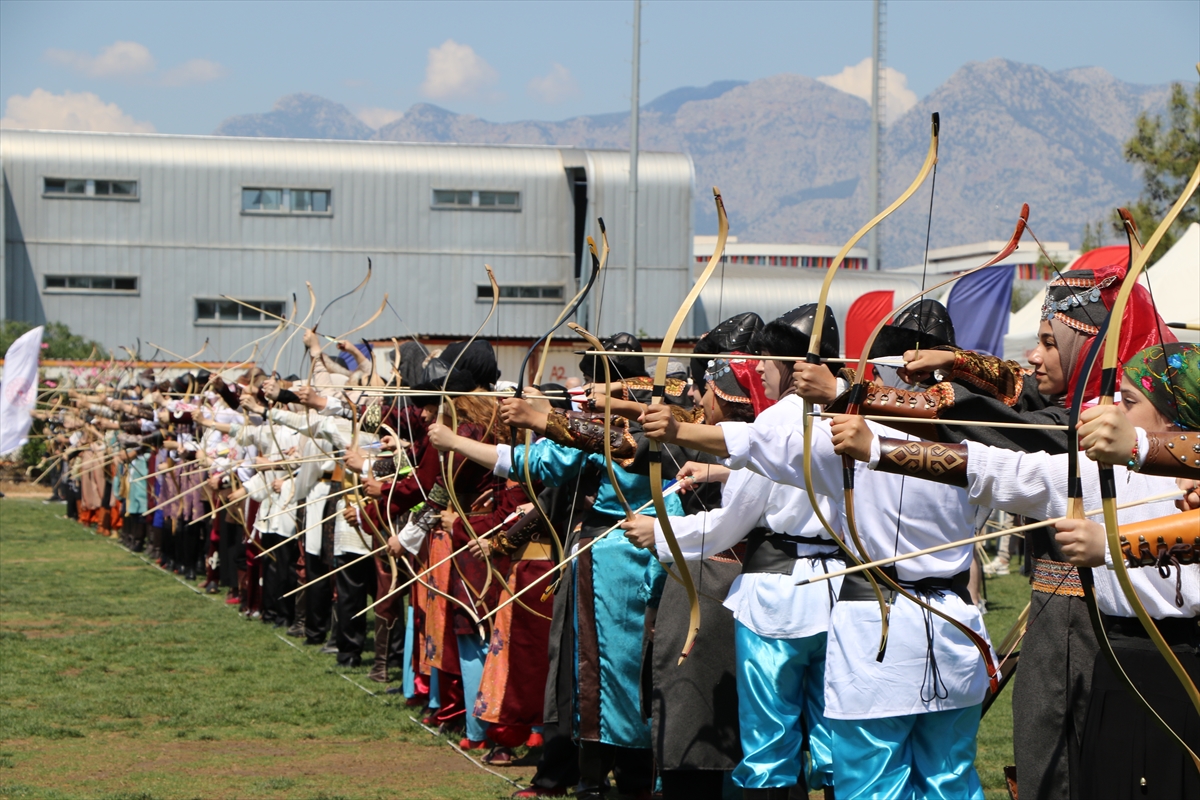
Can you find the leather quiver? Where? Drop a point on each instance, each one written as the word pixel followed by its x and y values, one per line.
pixel 1155 542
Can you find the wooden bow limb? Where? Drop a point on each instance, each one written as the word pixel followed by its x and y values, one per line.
pixel 312 306
pixel 358 328
pixel 670 490
pixel 333 572
pixel 184 493
pixel 307 503
pixel 658 398
pixel 302 531
pixel 427 570
pixel 218 510
pixel 1021 529
pixel 599 260
pixel 57 459
pixel 361 285
pixel 386 391
pixel 1108 385
pixel 448 598
pixel 184 359
pixel 814 357
pixel 965 422
pixel 284 321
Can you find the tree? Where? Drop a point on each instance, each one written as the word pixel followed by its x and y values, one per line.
pixel 1167 151
pixel 57 341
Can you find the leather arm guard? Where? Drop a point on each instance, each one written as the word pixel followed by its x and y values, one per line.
pixel 905 403
pixel 931 461
pixel 1175 454
pixel 1003 380
pixel 585 431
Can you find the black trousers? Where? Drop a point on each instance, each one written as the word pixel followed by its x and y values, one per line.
pixel 558 767
pixel 353 586
pixel 632 768
pixel 231 549
pixel 279 578
pixel 318 596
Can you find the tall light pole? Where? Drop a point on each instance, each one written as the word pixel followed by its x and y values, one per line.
pixel 877 118
pixel 631 273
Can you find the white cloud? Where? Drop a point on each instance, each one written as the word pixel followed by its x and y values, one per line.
pixel 118 60
pixel 70 111
pixel 378 117
pixel 456 70
pixel 856 80
pixel 127 60
pixel 554 87
pixel 198 70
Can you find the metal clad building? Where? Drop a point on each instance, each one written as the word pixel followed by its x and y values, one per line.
pixel 123 236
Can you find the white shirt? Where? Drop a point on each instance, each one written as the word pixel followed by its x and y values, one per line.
pixel 1035 485
pixel 770 604
pixel 894 516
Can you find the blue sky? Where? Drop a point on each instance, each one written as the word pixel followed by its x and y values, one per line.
pixel 183 67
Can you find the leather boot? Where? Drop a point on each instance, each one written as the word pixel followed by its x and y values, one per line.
pixel 297 627
pixel 379 672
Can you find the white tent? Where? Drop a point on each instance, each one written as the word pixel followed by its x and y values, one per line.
pixel 1174 278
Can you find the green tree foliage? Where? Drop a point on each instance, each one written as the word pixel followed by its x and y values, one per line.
pixel 58 340
pixel 1167 150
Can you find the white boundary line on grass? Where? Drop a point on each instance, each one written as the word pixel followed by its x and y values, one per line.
pixel 464 754
pixel 384 700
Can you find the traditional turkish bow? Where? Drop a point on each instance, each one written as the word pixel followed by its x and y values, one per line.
pixel 572 306
pixel 1111 336
pixel 814 357
pixel 854 406
pixel 659 397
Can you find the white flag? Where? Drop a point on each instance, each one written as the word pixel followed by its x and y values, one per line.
pixel 18 391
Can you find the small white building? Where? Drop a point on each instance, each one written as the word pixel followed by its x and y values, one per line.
pixel 962 257
pixel 813 256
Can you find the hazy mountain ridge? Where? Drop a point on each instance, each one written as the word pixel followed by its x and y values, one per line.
pixel 790 153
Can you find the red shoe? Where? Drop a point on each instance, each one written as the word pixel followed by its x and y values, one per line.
pixel 535 740
pixel 538 791
pixel 233 601
pixel 471 744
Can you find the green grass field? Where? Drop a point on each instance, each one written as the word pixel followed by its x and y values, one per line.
pixel 116 681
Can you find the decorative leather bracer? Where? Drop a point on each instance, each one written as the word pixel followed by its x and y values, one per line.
pixel 1003 380
pixel 505 543
pixel 933 461
pixel 887 401
pixel 1162 541
pixel 384 468
pixel 1175 454
pixel 584 431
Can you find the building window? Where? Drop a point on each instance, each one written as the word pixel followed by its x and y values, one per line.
pixel 94 188
pixel 486 200
pixel 218 311
pixel 520 293
pixel 103 284
pixel 266 200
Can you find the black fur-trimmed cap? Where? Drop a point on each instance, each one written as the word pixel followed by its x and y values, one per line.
pixel 733 334
pixel 789 334
pixel 622 367
pixel 923 325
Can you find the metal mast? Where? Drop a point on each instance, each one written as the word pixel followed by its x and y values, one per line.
pixel 631 231
pixel 878 119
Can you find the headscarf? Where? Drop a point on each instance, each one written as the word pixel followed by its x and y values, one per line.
pixel 735 380
pixel 1078 302
pixel 1169 376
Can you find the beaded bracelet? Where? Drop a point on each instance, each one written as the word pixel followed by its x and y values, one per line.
pixel 1132 464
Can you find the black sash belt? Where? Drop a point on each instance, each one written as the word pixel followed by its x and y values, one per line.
pixel 595 523
pixel 777 553
pixel 857 587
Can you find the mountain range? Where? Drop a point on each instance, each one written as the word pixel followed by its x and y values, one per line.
pixel 790 153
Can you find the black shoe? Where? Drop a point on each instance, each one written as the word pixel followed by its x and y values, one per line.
pixel 314 642
pixel 296 630
pixel 330 648
pixel 189 574
pixel 351 662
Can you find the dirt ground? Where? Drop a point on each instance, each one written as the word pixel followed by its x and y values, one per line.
pixel 246 769
pixel 11 489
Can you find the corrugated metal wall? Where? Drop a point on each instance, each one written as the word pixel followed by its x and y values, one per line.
pixel 187 237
